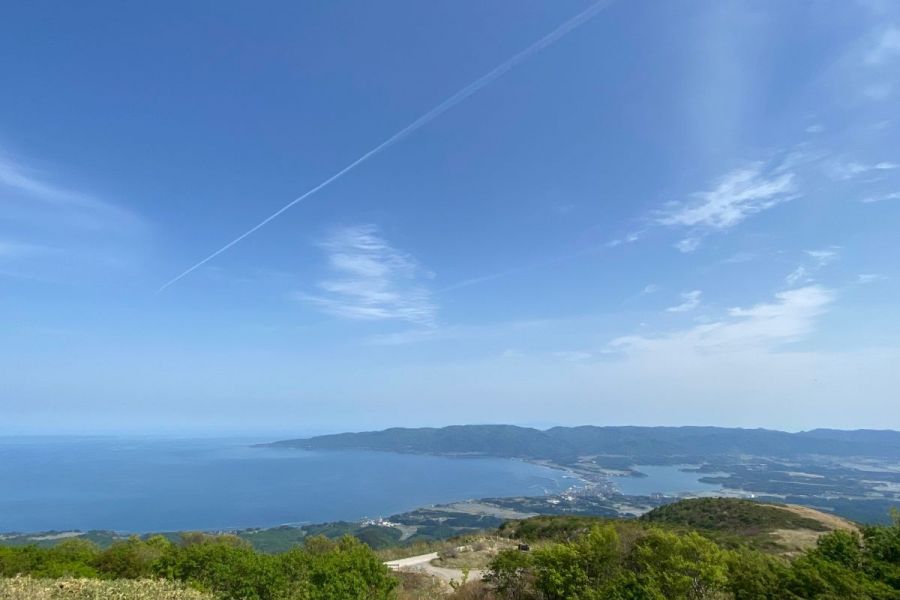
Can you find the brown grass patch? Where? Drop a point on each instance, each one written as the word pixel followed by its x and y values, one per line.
pixel 26 588
pixel 475 555
pixel 828 520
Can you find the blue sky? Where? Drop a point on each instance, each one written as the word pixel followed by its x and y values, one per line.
pixel 662 213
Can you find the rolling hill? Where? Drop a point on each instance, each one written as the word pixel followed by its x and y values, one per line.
pixel 562 444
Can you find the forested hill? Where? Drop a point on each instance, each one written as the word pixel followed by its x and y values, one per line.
pixel 565 443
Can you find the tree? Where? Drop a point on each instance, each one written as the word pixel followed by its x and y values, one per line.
pixel 558 572
pixel 600 553
pixel 753 575
pixel 842 547
pixel 346 570
pixel 133 558
pixel 688 567
pixel 233 571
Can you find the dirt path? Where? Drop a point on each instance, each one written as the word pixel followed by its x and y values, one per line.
pixel 422 564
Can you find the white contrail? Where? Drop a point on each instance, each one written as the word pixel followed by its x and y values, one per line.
pixel 429 116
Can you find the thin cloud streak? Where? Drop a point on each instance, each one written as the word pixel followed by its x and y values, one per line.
pixel 687 245
pixel 844 171
pixel 13 249
pixel 423 120
pixel 798 275
pixel 31 191
pixel 690 301
pixel 873 199
pixel 374 282
pixel 733 198
pixel 62 233
pixel 738 195
pixel 824 256
pixel 869 278
pixel 887 47
pixel 818 259
pixel 789 317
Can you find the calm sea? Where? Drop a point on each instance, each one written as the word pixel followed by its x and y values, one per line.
pixel 155 484
pixel 668 480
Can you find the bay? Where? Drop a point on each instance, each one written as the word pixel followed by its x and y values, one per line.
pixel 668 480
pixel 132 484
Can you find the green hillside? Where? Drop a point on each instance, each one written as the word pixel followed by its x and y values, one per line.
pixel 719 549
pixel 731 522
pixel 734 522
pixel 487 440
pixel 741 517
pixel 565 443
pixel 653 559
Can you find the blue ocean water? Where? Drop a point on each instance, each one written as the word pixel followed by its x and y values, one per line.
pixel 158 484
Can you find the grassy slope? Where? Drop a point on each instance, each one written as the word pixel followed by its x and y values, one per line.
pixel 780 529
pixel 743 517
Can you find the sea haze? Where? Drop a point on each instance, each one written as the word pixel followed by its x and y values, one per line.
pixel 155 484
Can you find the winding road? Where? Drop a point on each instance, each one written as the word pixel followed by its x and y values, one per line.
pixel 422 563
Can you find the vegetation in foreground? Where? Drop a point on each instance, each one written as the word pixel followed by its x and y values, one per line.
pixel 659 558
pixel 27 588
pixel 224 566
pixel 670 555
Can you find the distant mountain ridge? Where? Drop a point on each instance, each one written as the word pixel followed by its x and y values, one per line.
pixel 563 444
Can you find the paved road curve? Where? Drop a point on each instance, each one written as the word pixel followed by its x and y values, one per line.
pixel 422 563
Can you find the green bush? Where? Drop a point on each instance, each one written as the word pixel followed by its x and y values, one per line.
pixel 133 558
pixel 658 564
pixel 343 570
pixel 223 565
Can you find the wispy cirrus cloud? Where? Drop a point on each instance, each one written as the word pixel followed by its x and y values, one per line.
pixel 816 260
pixel 372 280
pixel 798 275
pixel 60 231
pixel 886 47
pixel 11 249
pixel 873 70
pixel 689 301
pixel 881 198
pixel 628 238
pixel 823 256
pixel 733 198
pixel 688 244
pixel 27 194
pixel 739 194
pixel 847 170
pixel 789 317
pixel 869 278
